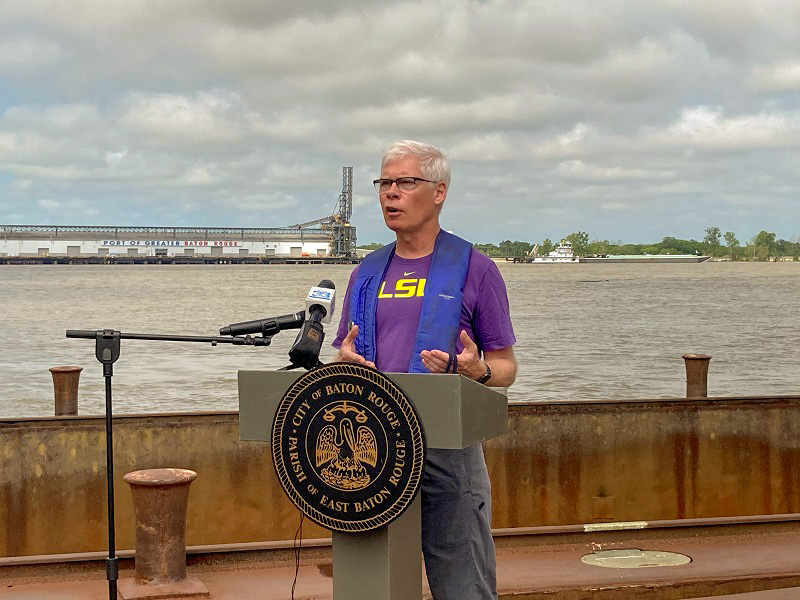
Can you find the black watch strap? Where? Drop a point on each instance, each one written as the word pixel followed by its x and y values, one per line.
pixel 486 376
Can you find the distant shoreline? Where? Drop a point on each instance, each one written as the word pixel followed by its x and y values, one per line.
pixel 177 260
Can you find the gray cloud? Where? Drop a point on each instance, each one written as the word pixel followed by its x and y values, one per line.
pixel 629 120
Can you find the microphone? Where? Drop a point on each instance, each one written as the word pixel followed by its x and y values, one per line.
pixel 322 297
pixel 320 304
pixel 266 327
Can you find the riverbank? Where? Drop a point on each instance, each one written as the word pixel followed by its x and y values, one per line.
pixel 177 260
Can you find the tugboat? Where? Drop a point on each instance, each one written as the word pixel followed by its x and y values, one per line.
pixel 563 254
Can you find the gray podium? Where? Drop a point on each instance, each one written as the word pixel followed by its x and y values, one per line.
pixel 385 563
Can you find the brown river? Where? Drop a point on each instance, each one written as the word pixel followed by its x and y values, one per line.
pixel 584 331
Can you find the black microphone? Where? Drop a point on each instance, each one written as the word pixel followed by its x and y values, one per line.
pixel 266 327
pixel 320 304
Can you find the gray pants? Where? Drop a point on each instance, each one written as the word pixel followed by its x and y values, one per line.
pixel 456 525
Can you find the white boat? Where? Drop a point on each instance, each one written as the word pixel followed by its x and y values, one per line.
pixel 562 254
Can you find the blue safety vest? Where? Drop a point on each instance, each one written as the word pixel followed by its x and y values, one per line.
pixel 441 307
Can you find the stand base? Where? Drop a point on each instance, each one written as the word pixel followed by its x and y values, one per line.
pixel 191 587
pixel 383 564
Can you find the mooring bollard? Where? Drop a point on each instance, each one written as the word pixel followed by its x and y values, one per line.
pixel 696 375
pixel 160 498
pixel 65 387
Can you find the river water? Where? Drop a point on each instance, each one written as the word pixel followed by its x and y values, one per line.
pixel 584 331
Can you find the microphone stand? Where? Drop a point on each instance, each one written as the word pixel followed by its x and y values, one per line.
pixel 107 350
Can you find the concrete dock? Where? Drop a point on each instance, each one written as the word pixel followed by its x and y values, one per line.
pixel 726 558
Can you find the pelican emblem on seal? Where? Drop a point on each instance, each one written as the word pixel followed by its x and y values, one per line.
pixel 344 450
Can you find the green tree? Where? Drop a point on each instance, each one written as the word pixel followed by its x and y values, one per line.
pixel 683 246
pixel 598 247
pixel 580 242
pixel 734 249
pixel 763 245
pixel 515 248
pixel 488 249
pixel 372 246
pixel 547 246
pixel 711 241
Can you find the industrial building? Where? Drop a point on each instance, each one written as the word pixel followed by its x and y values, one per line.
pixel 328 239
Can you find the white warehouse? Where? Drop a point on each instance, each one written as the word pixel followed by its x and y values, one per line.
pixel 76 242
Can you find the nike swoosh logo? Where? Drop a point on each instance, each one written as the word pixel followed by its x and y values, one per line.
pixel 409 273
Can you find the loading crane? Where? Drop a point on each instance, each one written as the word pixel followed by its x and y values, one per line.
pixel 343 236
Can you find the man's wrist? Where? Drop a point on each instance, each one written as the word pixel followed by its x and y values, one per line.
pixel 486 374
pixel 480 370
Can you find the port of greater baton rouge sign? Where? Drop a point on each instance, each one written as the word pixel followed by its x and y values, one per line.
pixel 348 447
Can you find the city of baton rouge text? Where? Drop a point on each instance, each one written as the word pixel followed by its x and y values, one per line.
pixel 380 403
pixel 400 449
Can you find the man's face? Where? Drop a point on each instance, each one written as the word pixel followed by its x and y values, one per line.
pixel 409 211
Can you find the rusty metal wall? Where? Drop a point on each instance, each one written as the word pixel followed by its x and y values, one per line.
pixel 646 460
pixel 53 487
pixel 560 463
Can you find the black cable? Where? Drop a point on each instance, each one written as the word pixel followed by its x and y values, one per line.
pixel 297 548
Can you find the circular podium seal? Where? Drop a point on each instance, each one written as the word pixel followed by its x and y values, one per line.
pixel 348 447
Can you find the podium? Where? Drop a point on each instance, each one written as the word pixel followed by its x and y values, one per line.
pixel 385 563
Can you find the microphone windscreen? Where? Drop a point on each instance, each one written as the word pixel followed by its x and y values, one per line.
pixel 323 296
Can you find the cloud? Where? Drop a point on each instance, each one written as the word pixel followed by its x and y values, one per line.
pixel 20 56
pixel 55 209
pixel 705 127
pixel 209 117
pixel 580 171
pixel 614 206
pixel 554 115
pixel 568 143
pixel 289 125
pixel 780 77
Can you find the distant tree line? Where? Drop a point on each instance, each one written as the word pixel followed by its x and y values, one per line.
pixel 762 247
pixel 372 246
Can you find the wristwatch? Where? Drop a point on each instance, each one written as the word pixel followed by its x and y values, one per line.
pixel 486 376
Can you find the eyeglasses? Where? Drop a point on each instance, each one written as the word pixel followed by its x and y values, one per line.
pixel 403 183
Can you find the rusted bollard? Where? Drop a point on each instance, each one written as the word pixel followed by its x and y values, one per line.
pixel 696 375
pixel 160 497
pixel 65 387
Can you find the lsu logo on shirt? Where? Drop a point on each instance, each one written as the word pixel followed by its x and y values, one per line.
pixel 404 288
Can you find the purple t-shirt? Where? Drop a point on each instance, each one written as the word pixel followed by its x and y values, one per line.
pixel 484 311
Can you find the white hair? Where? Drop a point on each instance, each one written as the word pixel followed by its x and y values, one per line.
pixel 433 163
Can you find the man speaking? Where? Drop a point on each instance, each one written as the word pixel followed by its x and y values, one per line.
pixel 431 303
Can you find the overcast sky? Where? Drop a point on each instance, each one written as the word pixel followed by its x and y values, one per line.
pixel 631 120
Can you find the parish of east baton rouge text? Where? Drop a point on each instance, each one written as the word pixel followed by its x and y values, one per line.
pixel 400 451
pixel 192 243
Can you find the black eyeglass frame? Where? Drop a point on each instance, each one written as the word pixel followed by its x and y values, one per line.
pixel 378 183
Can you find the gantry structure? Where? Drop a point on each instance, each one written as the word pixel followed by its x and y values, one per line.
pixel 343 236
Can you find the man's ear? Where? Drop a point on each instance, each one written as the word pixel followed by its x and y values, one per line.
pixel 441 193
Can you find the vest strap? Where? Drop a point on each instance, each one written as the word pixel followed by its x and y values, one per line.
pixel 441 306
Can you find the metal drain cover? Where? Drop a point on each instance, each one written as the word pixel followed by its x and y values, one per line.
pixel 633 558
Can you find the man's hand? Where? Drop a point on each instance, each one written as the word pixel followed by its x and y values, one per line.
pixel 347 353
pixel 469 361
